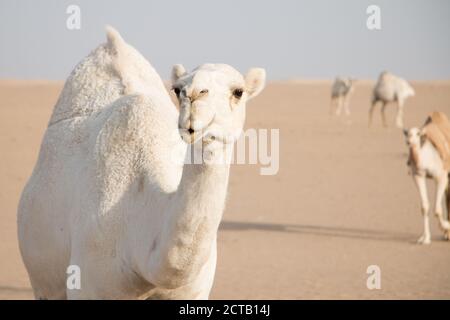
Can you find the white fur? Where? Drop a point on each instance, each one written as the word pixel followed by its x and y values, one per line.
pixel 109 192
pixel 425 161
pixel 390 88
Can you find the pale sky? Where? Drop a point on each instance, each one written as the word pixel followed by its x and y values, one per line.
pixel 289 38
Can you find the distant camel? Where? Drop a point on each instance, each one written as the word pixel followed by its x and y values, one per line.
pixel 340 94
pixel 110 194
pixel 390 88
pixel 429 157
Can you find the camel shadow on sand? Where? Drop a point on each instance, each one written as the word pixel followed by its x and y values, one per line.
pixel 325 231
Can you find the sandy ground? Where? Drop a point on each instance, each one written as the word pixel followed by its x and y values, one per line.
pixel 342 199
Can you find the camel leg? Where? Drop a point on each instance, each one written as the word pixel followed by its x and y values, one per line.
pixel 346 105
pixel 441 185
pixel 447 202
pixel 425 206
pixel 447 196
pixel 383 114
pixel 340 104
pixel 372 108
pixel 399 117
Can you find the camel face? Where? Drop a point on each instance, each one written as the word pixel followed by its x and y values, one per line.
pixel 212 101
pixel 412 136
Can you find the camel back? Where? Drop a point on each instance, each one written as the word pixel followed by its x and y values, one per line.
pixel 112 70
pixel 437 131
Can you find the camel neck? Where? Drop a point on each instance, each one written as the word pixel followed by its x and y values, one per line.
pixel 201 198
pixel 202 191
pixel 414 156
pixel 194 216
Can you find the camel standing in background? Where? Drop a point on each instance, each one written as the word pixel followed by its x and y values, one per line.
pixel 109 192
pixel 340 94
pixel 390 88
pixel 429 157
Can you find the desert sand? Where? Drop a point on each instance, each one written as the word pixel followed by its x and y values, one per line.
pixel 341 201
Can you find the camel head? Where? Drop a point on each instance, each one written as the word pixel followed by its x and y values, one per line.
pixel 212 101
pixel 414 137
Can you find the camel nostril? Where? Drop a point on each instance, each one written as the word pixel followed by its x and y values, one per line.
pixel 191 131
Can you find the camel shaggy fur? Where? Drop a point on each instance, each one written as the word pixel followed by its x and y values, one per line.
pixel 341 91
pixel 429 157
pixel 390 88
pixel 110 192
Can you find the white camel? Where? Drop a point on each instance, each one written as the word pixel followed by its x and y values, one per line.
pixel 109 193
pixel 429 157
pixel 341 91
pixel 390 88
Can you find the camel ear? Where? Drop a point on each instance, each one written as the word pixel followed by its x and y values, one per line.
pixel 405 132
pixel 177 71
pixel 255 81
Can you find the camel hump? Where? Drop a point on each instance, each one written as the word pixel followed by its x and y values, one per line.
pixel 114 39
pixel 439 118
pixel 437 130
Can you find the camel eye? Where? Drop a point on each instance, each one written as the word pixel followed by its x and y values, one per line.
pixel 177 91
pixel 204 91
pixel 238 93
